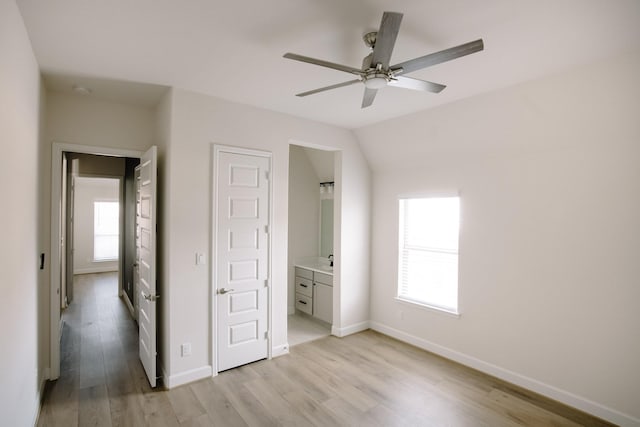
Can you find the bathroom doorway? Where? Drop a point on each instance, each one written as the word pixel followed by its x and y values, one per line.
pixel 310 259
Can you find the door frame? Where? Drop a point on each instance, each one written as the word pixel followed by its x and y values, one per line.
pixel 216 150
pixel 57 148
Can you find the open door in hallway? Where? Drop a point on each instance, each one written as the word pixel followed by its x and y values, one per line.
pixel 146 260
pixel 242 258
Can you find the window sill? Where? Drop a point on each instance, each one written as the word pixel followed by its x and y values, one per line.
pixel 428 307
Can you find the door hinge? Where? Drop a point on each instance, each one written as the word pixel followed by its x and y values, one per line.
pixel 266 283
pixel 266 335
pixel 266 229
pixel 266 175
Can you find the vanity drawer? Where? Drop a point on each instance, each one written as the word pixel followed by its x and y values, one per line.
pixel 304 273
pixel 304 303
pixel 327 279
pixel 304 286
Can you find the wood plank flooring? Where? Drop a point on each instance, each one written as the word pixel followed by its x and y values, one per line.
pixel 366 379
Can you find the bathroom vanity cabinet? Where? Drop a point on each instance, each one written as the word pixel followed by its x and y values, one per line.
pixel 314 293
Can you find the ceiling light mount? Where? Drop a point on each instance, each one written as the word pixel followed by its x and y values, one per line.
pixel 370 39
pixel 82 90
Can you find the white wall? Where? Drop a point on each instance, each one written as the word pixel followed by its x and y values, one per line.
pixel 198 121
pixel 322 162
pixel 86 120
pixel 304 214
pixel 20 89
pixel 88 191
pixel 549 178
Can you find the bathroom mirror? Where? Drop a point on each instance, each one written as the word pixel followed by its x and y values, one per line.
pixel 326 227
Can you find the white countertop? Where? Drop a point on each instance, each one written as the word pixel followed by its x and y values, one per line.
pixel 321 265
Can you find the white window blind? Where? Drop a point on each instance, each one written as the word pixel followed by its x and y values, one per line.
pixel 106 224
pixel 428 264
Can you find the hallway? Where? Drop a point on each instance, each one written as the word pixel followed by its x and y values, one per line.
pixel 101 379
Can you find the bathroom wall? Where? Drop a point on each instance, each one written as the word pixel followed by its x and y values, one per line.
pixel 304 214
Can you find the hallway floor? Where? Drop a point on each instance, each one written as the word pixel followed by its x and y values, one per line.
pixel 101 377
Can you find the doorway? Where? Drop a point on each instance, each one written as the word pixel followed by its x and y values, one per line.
pixel 311 231
pixel 242 256
pixel 95 160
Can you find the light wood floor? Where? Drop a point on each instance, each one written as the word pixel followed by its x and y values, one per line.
pixel 302 328
pixel 365 379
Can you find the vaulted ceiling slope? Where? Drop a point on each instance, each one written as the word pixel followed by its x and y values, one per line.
pixel 233 50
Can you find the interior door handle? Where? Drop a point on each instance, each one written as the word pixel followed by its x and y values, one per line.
pixel 149 297
pixel 224 290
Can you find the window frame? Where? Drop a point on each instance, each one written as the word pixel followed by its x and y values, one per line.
pixel 405 298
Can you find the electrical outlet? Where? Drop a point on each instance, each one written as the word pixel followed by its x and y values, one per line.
pixel 185 349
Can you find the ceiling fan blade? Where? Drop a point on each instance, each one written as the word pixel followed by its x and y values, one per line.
pixel 416 84
pixel 323 63
pixel 386 39
pixel 369 96
pixel 439 57
pixel 322 89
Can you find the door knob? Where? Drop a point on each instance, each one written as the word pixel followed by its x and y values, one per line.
pixel 224 290
pixel 150 297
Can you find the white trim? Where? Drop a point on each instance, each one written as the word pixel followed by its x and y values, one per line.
pixel 216 149
pixel 280 350
pixel 40 395
pixel 125 297
pixel 98 269
pixel 57 148
pixel 186 377
pixel 351 329
pixel 428 307
pixel 575 401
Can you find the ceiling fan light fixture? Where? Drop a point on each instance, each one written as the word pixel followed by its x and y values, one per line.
pixel 377 81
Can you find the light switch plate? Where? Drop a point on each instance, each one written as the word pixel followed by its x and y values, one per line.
pixel 200 259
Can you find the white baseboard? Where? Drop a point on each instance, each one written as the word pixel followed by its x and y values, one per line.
pixel 46 374
pixel 171 381
pixel 125 297
pixel 547 390
pixel 98 269
pixel 280 350
pixel 351 329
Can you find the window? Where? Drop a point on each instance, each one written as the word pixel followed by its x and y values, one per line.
pixel 106 220
pixel 428 264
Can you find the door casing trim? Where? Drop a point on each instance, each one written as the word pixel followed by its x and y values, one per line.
pixel 57 148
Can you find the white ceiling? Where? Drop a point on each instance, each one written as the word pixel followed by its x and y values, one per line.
pixel 233 49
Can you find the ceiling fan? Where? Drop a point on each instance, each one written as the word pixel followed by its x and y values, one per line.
pixel 376 72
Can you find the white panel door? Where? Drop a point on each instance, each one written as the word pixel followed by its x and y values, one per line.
pixel 242 257
pixel 146 261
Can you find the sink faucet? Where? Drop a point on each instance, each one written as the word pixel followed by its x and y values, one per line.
pixel 330 260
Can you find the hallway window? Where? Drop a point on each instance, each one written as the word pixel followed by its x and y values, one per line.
pixel 106 216
pixel 428 252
